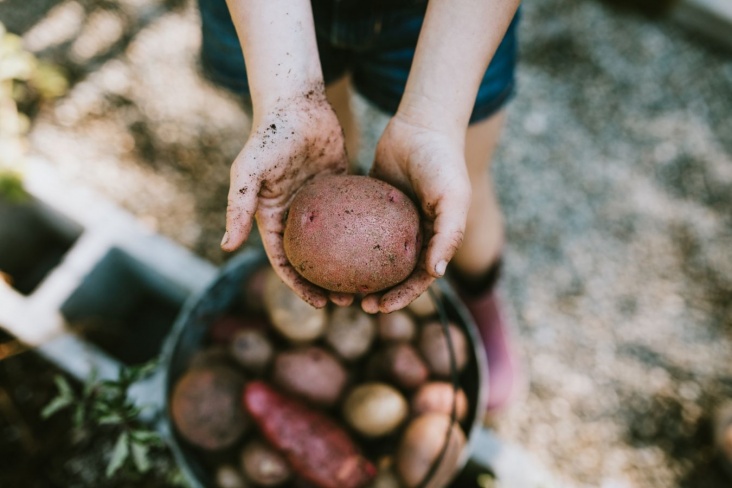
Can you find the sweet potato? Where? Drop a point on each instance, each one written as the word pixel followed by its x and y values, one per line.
pixel 317 448
pixel 352 234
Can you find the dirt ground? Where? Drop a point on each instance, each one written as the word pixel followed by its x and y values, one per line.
pixel 615 174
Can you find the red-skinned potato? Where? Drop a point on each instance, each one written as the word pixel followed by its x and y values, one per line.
pixel 403 365
pixel 311 373
pixel 420 446
pixel 439 397
pixel 352 234
pixel 263 465
pixel 434 348
pixel 205 407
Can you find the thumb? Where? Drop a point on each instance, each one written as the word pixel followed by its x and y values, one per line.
pixel 242 205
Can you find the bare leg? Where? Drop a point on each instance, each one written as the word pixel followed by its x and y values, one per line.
pixel 339 96
pixel 483 241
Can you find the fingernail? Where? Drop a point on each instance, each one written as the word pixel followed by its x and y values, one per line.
pixel 441 267
pixel 225 240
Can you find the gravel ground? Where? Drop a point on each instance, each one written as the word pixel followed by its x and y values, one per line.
pixel 615 173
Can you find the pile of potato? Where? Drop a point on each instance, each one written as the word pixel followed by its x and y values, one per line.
pixel 288 395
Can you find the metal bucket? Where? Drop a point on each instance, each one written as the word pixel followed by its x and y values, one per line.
pixel 189 333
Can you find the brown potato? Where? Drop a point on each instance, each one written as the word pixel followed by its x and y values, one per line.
pixel 252 349
pixel 403 365
pixel 420 446
pixel 206 407
pixel 434 347
pixel 312 373
pixel 439 397
pixel 375 409
pixel 263 465
pixel 397 326
pixel 290 315
pixel 223 329
pixel 352 234
pixel 350 332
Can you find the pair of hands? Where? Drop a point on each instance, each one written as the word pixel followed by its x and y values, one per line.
pixel 294 141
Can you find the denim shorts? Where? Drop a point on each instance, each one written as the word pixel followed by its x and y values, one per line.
pixel 374 44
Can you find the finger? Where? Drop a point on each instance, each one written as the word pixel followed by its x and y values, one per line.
pixel 241 208
pixel 341 299
pixel 447 236
pixel 370 303
pixel 270 226
pixel 406 292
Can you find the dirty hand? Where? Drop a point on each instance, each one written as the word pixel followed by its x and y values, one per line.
pixel 291 142
pixel 428 165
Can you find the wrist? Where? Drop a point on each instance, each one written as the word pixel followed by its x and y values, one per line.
pixel 299 95
pixel 432 113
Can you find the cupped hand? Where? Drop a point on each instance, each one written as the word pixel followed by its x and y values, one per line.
pixel 291 142
pixel 428 165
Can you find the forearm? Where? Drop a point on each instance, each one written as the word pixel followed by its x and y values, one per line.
pixel 278 40
pixel 457 41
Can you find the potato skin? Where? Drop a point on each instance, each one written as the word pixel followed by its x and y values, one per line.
pixel 404 366
pixel 375 409
pixel 396 326
pixel 350 332
pixel 352 234
pixel 434 347
pixel 420 446
pixel 437 397
pixel 311 373
pixel 205 407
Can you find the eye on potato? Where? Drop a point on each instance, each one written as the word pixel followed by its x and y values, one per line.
pixel 352 234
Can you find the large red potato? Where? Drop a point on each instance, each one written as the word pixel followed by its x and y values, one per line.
pixel 352 234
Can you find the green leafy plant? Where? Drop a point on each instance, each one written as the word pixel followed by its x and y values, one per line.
pixel 106 404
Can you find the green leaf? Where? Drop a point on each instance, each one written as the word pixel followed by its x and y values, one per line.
pixel 146 436
pixel 140 457
pixel 110 419
pixel 79 415
pixel 120 453
pixel 55 405
pixel 91 383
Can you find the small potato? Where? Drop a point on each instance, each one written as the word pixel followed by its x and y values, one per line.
pixel 375 409
pixel 263 465
pixel 350 332
pixel 438 397
pixel 434 347
pixel 385 478
pixel 423 306
pixel 292 317
pixel 420 446
pixel 397 326
pixel 312 373
pixel 229 477
pixel 222 330
pixel 206 407
pixel 403 365
pixel 252 349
